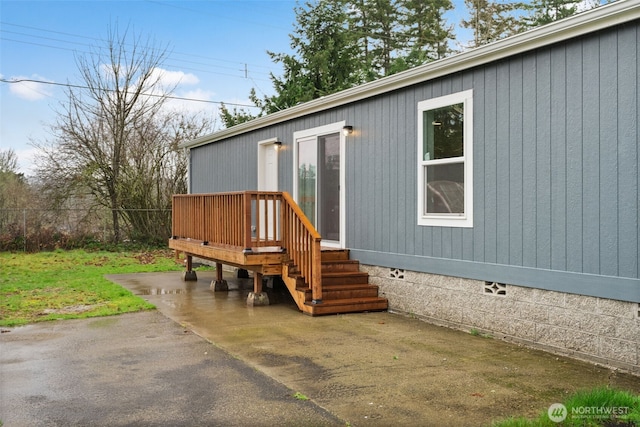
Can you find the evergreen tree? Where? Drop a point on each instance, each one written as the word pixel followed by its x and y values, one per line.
pixel 547 11
pixel 324 58
pixel 236 116
pixel 376 25
pixel 385 34
pixel 426 34
pixel 492 20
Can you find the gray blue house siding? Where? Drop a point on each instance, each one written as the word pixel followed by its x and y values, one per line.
pixel 555 172
pixel 556 162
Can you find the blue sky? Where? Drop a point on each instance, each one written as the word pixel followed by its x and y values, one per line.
pixel 217 51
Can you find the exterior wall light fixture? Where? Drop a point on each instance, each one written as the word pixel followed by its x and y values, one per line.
pixel 347 130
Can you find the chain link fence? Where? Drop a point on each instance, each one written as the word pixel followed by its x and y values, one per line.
pixel 33 230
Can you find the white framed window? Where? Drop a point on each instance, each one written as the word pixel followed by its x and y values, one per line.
pixel 445 161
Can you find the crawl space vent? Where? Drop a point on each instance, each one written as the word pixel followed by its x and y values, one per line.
pixel 396 273
pixel 495 288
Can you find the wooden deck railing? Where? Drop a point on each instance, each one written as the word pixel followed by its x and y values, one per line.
pixel 302 242
pixel 248 220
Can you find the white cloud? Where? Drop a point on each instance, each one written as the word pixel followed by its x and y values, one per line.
pixel 189 105
pixel 173 78
pixel 30 90
pixel 205 95
pixel 165 79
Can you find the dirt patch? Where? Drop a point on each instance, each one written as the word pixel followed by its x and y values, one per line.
pixel 96 262
pixel 145 258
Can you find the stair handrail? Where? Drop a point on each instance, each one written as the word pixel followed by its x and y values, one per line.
pixel 302 242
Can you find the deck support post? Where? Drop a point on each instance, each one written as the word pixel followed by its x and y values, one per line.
pixel 257 297
pixel 189 275
pixel 219 285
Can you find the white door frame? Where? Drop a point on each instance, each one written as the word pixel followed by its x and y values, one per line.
pixel 268 176
pixel 316 132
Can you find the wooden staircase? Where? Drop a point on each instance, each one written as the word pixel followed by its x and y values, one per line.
pixel 345 289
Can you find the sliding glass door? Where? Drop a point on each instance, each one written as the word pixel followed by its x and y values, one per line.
pixel 318 183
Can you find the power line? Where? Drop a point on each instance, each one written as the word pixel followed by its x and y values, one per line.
pixel 238 64
pixel 101 41
pixel 85 45
pixel 69 85
pixel 181 67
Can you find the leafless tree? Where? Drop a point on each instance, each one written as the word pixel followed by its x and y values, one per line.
pixel 112 129
pixel 156 169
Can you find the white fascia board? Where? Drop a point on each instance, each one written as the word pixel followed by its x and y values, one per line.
pixel 583 23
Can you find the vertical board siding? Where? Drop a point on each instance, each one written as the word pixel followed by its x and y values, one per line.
pixel 381 167
pixel 489 146
pixel 529 169
pixel 574 147
pixel 410 191
pixel 590 157
pixel 468 233
pixel 479 115
pixel 558 138
pixel 453 243
pixel 503 168
pixel 555 161
pixel 516 162
pixel 398 179
pixel 543 159
pixel 628 146
pixel 608 155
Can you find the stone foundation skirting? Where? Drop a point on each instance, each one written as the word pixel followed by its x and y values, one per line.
pixel 597 330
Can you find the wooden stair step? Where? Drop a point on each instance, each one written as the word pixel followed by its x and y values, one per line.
pixel 340 265
pixel 336 278
pixel 337 292
pixel 347 305
pixel 340 286
pixel 344 278
pixel 334 254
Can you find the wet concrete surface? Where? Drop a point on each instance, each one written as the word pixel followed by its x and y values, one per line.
pixel 138 369
pixel 377 369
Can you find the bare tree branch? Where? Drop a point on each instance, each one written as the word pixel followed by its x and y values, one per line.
pixel 112 138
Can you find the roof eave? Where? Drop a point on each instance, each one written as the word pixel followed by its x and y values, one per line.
pixel 596 19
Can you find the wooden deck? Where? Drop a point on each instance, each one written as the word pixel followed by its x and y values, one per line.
pixel 263 261
pixel 267 233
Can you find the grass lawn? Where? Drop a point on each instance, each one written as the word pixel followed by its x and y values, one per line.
pixel 71 284
pixel 600 407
